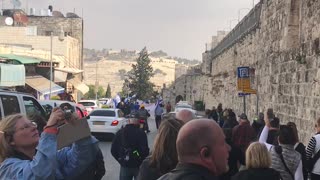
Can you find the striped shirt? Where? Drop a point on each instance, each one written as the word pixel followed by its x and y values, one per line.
pixel 312 149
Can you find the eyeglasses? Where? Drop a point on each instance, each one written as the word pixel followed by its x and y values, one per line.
pixel 27 126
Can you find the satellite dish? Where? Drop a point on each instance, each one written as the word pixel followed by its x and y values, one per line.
pixel 9 21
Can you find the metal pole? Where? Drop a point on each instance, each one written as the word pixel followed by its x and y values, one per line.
pixel 257 97
pixel 244 104
pixel 51 37
pixel 96 85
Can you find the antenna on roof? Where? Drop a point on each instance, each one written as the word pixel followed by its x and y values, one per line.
pixel 16 3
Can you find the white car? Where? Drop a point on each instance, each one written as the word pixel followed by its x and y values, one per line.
pixel 48 105
pixel 90 104
pixel 106 121
pixel 179 107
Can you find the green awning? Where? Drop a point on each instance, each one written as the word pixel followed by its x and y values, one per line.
pixel 22 59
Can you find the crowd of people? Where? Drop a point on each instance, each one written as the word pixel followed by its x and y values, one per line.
pixel 222 146
pixel 225 146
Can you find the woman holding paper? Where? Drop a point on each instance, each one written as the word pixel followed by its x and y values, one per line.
pixel 26 155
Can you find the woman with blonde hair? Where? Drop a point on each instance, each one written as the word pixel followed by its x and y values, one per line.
pixel 26 155
pixel 164 157
pixel 258 162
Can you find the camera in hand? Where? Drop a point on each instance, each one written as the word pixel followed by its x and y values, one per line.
pixel 270 113
pixel 67 109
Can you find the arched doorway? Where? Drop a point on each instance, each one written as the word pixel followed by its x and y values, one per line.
pixel 179 98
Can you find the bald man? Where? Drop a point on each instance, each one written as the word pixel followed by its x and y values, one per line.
pixel 202 152
pixel 185 115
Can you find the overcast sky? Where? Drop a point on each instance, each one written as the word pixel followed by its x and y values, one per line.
pixel 179 27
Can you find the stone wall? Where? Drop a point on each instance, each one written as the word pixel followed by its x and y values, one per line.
pixel 284 51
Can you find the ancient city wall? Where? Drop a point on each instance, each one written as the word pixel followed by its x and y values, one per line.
pixel 284 51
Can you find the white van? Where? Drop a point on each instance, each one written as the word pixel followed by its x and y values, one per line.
pixel 12 102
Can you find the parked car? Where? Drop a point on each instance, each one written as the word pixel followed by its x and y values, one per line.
pixel 50 104
pixel 106 121
pixel 179 107
pixel 90 104
pixel 103 100
pixel 12 102
pixel 83 109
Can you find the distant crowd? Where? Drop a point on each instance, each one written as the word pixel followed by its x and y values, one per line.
pixel 221 146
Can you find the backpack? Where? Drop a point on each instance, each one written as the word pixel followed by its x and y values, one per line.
pixel 129 155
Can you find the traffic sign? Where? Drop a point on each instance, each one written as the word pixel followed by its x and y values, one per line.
pixel 243 72
pixel 243 94
pixel 243 83
pixel 250 91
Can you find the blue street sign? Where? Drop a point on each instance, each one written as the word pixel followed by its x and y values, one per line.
pixel 243 94
pixel 243 72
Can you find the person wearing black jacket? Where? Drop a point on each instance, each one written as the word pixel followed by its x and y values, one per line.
pixel 164 156
pixel 95 170
pixel 202 152
pixel 299 147
pixel 130 148
pixel 258 162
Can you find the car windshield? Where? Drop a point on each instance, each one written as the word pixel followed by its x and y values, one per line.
pixel 87 103
pixel 103 113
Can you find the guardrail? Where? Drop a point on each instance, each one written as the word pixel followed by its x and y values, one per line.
pixel 250 22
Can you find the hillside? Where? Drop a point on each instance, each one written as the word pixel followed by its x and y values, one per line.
pixel 111 67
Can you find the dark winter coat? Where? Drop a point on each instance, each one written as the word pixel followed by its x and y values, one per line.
pixel 95 170
pixel 258 174
pixel 146 172
pixel 189 172
pixel 131 136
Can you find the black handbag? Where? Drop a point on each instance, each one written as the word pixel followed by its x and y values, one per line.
pixel 311 162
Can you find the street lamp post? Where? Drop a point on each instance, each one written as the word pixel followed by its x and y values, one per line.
pixel 61 38
pixel 51 37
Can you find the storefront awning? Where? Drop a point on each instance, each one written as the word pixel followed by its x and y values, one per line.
pixel 12 75
pixel 42 85
pixel 22 59
pixel 79 85
pixel 60 76
pixel 69 70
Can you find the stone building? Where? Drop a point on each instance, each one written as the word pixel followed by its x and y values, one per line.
pixel 180 69
pixel 36 36
pixel 206 65
pixel 280 41
pixel 72 26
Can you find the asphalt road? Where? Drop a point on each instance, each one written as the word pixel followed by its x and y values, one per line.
pixel 111 165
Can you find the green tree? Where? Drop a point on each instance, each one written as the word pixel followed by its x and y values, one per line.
pixel 91 94
pixel 101 92
pixel 139 76
pixel 108 92
pixel 125 88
